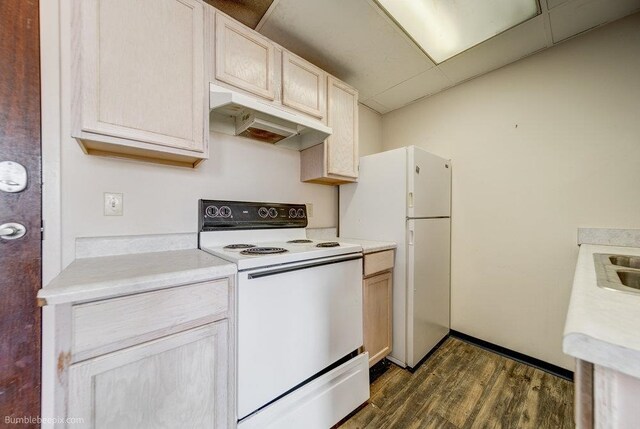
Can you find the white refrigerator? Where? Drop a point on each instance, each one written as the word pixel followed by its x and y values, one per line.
pixel 404 195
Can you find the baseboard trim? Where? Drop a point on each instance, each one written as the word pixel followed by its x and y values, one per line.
pixel 378 369
pixel 512 354
pixel 428 355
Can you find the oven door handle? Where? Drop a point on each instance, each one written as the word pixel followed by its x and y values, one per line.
pixel 277 271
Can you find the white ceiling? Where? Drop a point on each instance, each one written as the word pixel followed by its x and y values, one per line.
pixel 357 42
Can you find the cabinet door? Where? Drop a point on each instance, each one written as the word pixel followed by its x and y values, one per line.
pixel 583 408
pixel 615 399
pixel 244 59
pixel 139 71
pixel 342 145
pixel 377 293
pixel 304 86
pixel 177 381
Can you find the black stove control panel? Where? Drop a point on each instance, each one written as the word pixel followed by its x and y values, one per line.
pixel 216 215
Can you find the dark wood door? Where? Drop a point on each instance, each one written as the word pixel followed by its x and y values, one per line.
pixel 20 259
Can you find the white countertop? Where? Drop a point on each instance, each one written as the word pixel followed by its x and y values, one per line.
pixel 90 279
pixel 602 326
pixel 369 246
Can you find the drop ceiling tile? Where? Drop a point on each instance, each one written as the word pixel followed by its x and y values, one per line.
pixel 375 106
pixel 351 39
pixel 426 83
pixel 501 50
pixel 577 16
pixel 553 3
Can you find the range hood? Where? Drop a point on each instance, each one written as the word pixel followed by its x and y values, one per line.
pixel 242 115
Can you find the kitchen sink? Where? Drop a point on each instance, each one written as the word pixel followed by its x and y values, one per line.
pixel 630 278
pixel 618 272
pixel 626 261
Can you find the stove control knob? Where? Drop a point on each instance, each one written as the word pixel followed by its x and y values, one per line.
pixel 273 213
pixel 301 213
pixel 224 211
pixel 263 212
pixel 212 211
pixel 292 213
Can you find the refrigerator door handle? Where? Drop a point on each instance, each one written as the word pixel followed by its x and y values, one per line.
pixel 410 237
pixel 410 199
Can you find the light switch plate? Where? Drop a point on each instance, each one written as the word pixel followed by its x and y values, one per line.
pixel 113 204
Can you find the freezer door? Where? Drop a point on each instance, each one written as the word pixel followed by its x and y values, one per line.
pixel 428 285
pixel 429 184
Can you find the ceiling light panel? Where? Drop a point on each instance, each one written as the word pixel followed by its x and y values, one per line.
pixel 444 28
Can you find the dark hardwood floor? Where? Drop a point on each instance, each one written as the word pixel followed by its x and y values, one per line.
pixel 464 386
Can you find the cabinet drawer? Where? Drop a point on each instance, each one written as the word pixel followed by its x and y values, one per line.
pixel 378 262
pixel 103 326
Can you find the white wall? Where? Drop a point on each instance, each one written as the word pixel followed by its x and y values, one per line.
pixel 160 199
pixel 370 131
pixel 541 147
pixel 157 199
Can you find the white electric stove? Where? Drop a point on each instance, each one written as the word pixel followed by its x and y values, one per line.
pixel 299 315
pixel 247 250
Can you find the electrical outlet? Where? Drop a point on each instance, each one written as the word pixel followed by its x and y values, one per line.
pixel 309 210
pixel 113 204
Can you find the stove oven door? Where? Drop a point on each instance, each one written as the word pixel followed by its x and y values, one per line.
pixel 295 320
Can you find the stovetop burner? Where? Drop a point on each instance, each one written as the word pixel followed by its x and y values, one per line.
pixel 301 241
pixel 239 246
pixel 328 244
pixel 263 251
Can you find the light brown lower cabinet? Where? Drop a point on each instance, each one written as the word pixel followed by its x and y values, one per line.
pixel 377 292
pixel 605 398
pixel 158 359
pixel 583 400
pixel 175 381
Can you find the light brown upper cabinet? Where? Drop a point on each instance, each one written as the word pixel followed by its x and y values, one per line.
pixel 336 160
pixel 244 59
pixel 342 151
pixel 139 81
pixel 304 86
